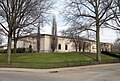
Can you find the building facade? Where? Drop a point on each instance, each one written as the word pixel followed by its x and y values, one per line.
pixel 64 44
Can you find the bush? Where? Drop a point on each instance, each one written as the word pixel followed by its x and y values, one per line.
pixel 110 54
pixel 3 51
pixel 21 50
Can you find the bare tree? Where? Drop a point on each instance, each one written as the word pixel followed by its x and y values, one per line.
pixel 116 46
pixel 16 14
pixel 43 11
pixel 115 22
pixel 93 12
pixel 26 20
pixel 37 17
pixel 73 33
pixel 19 32
pixel 78 35
pixel 1 35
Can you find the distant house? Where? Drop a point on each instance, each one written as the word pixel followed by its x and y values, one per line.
pixel 106 47
pixel 64 44
pixel 2 47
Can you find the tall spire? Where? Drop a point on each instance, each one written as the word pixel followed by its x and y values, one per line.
pixel 54 34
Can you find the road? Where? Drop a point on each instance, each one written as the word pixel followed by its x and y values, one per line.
pixel 107 73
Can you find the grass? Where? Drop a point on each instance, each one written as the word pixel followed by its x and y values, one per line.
pixel 50 57
pixel 106 57
pixel 51 60
pixel 3 57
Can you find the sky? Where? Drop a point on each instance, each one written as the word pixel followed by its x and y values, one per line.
pixel 106 35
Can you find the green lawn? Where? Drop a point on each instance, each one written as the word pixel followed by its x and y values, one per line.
pixel 105 57
pixel 3 57
pixel 51 60
pixel 50 57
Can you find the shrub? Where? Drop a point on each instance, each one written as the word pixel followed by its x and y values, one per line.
pixel 110 54
pixel 21 50
pixel 3 51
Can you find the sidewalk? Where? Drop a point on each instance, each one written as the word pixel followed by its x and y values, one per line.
pixel 56 69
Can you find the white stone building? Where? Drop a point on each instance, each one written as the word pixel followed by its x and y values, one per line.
pixel 64 44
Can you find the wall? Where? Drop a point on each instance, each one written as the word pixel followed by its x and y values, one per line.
pixel 45 44
pixel 63 42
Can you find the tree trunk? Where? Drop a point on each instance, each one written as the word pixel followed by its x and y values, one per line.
pixel 15 46
pixel 83 46
pixel 76 47
pixel 98 56
pixel 79 47
pixel 15 42
pixel 53 44
pixel 9 46
pixel 38 39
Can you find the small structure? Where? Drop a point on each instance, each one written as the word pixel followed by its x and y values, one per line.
pixel 106 47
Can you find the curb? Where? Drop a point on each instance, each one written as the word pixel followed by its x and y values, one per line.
pixel 56 70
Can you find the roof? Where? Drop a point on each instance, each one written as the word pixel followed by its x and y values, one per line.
pixel 5 45
pixel 35 35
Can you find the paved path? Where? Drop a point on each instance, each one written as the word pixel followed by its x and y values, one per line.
pixel 90 73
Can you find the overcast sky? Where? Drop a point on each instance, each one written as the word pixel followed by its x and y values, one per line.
pixel 106 35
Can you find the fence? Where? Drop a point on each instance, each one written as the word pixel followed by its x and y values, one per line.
pixel 48 65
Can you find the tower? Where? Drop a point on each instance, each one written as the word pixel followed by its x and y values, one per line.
pixel 54 34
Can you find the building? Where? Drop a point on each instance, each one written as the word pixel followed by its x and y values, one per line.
pixel 54 43
pixel 64 44
pixel 106 47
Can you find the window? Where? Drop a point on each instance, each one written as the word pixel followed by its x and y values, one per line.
pixel 66 47
pixel 93 47
pixel 102 49
pixel 106 49
pixel 59 46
